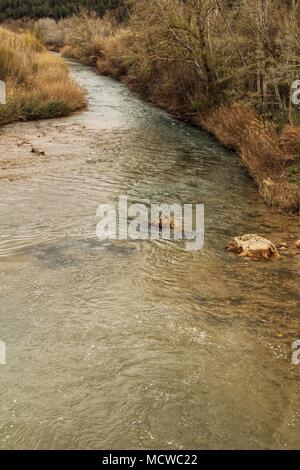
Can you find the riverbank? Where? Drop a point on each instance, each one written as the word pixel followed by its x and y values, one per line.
pixel 38 83
pixel 155 55
pixel 173 63
pixel 265 153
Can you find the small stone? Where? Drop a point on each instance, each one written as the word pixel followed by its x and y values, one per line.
pixel 298 244
pixel 282 248
pixel 253 246
pixel 38 152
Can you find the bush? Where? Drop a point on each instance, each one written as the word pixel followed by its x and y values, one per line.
pixel 38 83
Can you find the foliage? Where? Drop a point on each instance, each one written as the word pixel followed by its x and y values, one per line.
pixel 226 66
pixel 15 9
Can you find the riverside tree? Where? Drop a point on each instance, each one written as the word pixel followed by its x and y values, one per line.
pixel 243 50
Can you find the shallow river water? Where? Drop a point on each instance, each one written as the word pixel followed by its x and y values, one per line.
pixel 138 344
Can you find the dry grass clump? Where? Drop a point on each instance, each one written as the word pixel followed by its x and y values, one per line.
pixel 112 57
pixel 242 129
pixel 258 145
pixel 38 83
pixel 290 140
pixel 49 32
pixel 84 34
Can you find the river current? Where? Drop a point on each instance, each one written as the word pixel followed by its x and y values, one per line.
pixel 139 344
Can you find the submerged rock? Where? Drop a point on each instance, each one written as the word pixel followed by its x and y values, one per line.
pixel 283 248
pixel 283 245
pixel 253 246
pixel 298 244
pixel 39 152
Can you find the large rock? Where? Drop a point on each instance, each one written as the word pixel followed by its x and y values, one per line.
pixel 253 246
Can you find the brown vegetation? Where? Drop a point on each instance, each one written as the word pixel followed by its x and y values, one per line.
pixel 242 129
pixel 226 66
pixel 290 140
pixel 38 83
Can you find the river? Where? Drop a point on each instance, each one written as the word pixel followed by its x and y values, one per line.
pixel 138 344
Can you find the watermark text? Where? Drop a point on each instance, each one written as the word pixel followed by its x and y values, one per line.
pixel 155 222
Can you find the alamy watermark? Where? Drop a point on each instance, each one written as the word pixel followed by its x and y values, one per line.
pixel 155 221
pixel 295 93
pixel 296 353
pixel 2 353
pixel 2 92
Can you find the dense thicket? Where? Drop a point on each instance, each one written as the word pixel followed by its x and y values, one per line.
pixel 226 65
pixel 209 51
pixel 16 9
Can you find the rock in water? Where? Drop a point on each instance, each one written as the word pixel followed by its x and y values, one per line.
pixel 298 244
pixel 253 246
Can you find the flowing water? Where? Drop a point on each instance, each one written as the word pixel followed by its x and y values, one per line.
pixel 138 344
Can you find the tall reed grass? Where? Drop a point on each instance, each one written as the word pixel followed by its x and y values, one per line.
pixel 37 82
